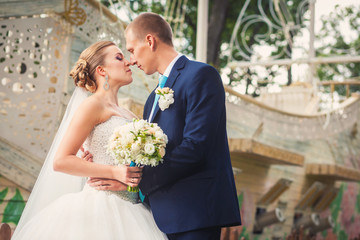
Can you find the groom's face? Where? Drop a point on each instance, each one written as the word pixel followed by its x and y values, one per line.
pixel 140 53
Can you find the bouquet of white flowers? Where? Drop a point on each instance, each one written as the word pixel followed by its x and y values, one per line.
pixel 137 143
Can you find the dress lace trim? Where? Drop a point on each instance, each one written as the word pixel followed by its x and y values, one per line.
pixel 96 144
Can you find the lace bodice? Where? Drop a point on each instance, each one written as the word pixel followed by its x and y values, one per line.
pixel 98 139
pixel 96 144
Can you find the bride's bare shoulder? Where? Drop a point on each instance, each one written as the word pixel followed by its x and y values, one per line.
pixel 91 110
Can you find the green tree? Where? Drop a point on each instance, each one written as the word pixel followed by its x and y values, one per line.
pixel 336 43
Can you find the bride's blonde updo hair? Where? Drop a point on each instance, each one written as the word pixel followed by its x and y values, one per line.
pixel 90 58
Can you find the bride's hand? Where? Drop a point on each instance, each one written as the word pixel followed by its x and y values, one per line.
pixel 106 184
pixel 128 175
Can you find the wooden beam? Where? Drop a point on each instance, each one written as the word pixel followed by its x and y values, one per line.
pixel 333 171
pixel 328 195
pixel 311 195
pixel 248 148
pixel 345 82
pixel 275 191
pixel 17 165
pixel 16 175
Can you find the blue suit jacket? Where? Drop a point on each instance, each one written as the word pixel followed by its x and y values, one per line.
pixel 194 188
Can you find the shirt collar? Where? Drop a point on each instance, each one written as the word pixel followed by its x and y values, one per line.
pixel 171 65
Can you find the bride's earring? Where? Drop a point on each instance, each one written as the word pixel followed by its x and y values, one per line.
pixel 106 84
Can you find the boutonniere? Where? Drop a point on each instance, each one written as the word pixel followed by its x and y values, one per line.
pixel 166 97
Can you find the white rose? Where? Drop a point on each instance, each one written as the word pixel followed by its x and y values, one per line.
pixel 153 162
pixel 129 138
pixel 149 149
pixel 156 127
pixel 138 142
pixel 138 159
pixel 163 104
pixel 122 142
pixel 169 96
pixel 139 124
pixel 122 154
pixel 135 147
pixel 166 99
pixel 116 135
pixel 171 101
pixel 159 134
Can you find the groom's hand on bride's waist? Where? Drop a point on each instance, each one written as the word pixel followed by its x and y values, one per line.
pixel 87 156
pixel 106 184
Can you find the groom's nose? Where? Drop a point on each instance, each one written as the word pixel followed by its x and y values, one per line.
pixel 132 60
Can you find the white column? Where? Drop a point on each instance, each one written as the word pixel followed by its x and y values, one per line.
pixel 311 43
pixel 202 27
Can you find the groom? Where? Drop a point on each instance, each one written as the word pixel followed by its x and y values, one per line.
pixel 192 194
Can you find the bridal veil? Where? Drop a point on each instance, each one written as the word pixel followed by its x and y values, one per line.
pixel 50 184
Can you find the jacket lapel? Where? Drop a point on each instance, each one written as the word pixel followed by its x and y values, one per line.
pixel 174 74
pixel 148 105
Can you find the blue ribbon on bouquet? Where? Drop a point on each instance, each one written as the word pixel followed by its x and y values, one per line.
pixel 142 196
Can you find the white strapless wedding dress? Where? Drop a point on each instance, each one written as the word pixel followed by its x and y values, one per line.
pixel 92 214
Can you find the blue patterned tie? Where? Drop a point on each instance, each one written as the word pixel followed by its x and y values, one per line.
pixel 162 81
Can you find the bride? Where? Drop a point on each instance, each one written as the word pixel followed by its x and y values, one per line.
pixel 61 205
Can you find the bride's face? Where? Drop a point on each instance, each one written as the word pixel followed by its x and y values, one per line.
pixel 117 67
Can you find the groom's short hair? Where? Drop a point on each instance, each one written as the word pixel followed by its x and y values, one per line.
pixel 151 23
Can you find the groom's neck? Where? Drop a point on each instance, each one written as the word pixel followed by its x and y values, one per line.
pixel 165 55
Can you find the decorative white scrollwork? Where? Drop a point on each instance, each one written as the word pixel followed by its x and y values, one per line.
pixel 277 19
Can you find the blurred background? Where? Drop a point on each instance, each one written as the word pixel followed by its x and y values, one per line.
pixel 291 73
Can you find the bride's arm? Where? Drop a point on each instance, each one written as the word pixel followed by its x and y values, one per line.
pixel 102 183
pixel 89 114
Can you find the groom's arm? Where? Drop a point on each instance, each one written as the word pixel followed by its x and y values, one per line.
pixel 205 99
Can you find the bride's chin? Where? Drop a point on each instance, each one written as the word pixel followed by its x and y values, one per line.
pixel 128 81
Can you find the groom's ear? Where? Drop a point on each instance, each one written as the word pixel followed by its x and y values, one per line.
pixel 151 41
